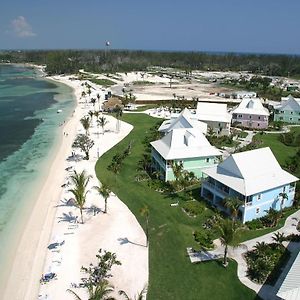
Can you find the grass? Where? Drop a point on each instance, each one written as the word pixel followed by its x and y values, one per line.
pixel 103 82
pixel 251 234
pixel 145 107
pixel 172 276
pixel 280 150
pixel 143 82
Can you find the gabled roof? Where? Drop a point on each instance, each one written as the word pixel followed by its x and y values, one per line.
pixel 251 172
pixel 212 112
pixel 184 120
pixel 290 288
pixel 184 143
pixel 251 106
pixel 289 104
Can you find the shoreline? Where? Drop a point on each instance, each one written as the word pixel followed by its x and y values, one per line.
pixel 32 257
pixel 31 238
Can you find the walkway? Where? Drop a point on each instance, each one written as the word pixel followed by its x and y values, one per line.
pixel 267 292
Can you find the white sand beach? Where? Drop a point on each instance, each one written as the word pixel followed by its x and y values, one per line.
pixel 52 219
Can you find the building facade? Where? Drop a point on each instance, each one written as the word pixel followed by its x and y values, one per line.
pixel 288 111
pixel 255 178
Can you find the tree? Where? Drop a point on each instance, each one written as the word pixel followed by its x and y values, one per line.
pixel 100 271
pixel 91 114
pixel 282 198
pixel 233 204
pixel 83 142
pixel 93 101
pixel 140 296
pixel 260 247
pixel 273 216
pixel 144 211
pixel 102 122
pixel 99 292
pixel 119 113
pixel 104 191
pixel 80 181
pixel 229 231
pixel 86 123
pixel 177 168
pixel 278 238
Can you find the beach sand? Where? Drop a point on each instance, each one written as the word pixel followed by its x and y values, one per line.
pixel 117 231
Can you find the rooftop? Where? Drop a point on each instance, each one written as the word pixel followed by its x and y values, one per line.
pixel 251 172
pixel 251 106
pixel 184 143
pixel 212 112
pixel 184 120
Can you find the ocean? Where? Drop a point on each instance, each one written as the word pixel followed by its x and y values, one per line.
pixel 29 137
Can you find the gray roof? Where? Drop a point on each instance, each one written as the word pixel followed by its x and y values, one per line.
pixel 290 288
pixel 290 104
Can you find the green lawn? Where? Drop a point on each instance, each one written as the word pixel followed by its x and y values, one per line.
pixel 172 276
pixel 280 150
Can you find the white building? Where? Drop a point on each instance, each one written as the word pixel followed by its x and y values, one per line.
pixel 215 115
pixel 184 120
pixel 244 94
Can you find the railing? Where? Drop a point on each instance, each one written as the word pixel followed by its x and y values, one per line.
pixel 215 187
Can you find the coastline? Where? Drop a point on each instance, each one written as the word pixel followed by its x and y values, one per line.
pixel 27 261
pixel 32 258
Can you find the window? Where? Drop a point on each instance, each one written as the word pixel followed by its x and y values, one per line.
pixel 257 124
pixel 283 189
pixel 250 117
pixel 291 119
pixel 257 210
pixel 258 117
pixel 259 196
pixel 207 160
pixel 240 116
pixel 281 118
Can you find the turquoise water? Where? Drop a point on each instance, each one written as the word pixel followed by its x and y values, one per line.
pixel 29 135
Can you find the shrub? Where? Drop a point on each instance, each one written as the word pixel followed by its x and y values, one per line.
pixel 193 208
pixel 255 224
pixel 204 238
pixel 293 237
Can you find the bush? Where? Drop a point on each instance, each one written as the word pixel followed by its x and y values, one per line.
pixel 293 237
pixel 255 224
pixel 193 208
pixel 204 238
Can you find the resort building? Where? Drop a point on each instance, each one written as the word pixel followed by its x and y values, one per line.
pixel 215 115
pixel 244 94
pixel 250 113
pixel 256 178
pixel 183 120
pixel 290 288
pixel 288 110
pixel 184 145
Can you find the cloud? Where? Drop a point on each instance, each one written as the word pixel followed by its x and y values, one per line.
pixel 21 28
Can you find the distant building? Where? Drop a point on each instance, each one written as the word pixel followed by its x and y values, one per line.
pixel 288 110
pixel 244 94
pixel 255 177
pixel 186 145
pixel 250 113
pixel 215 115
pixel 184 120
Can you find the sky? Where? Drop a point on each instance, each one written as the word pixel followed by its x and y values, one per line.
pixel 259 26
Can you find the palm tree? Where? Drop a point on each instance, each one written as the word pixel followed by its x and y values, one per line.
pixel 80 181
pixel 278 238
pixel 233 204
pixel 144 211
pixel 228 236
pixel 104 191
pixel 83 94
pixel 177 168
pixel 102 122
pixel 99 292
pixel 260 247
pixel 119 113
pixel 93 101
pixel 85 122
pixel 282 197
pixel 91 114
pixel 274 216
pixel 140 296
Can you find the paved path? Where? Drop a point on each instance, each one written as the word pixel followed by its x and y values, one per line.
pixel 265 291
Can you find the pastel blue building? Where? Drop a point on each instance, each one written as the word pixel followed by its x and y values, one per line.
pixel 256 178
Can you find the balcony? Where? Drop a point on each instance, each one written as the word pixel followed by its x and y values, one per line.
pixel 216 188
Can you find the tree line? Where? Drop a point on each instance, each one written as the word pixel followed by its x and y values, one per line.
pixel 71 61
